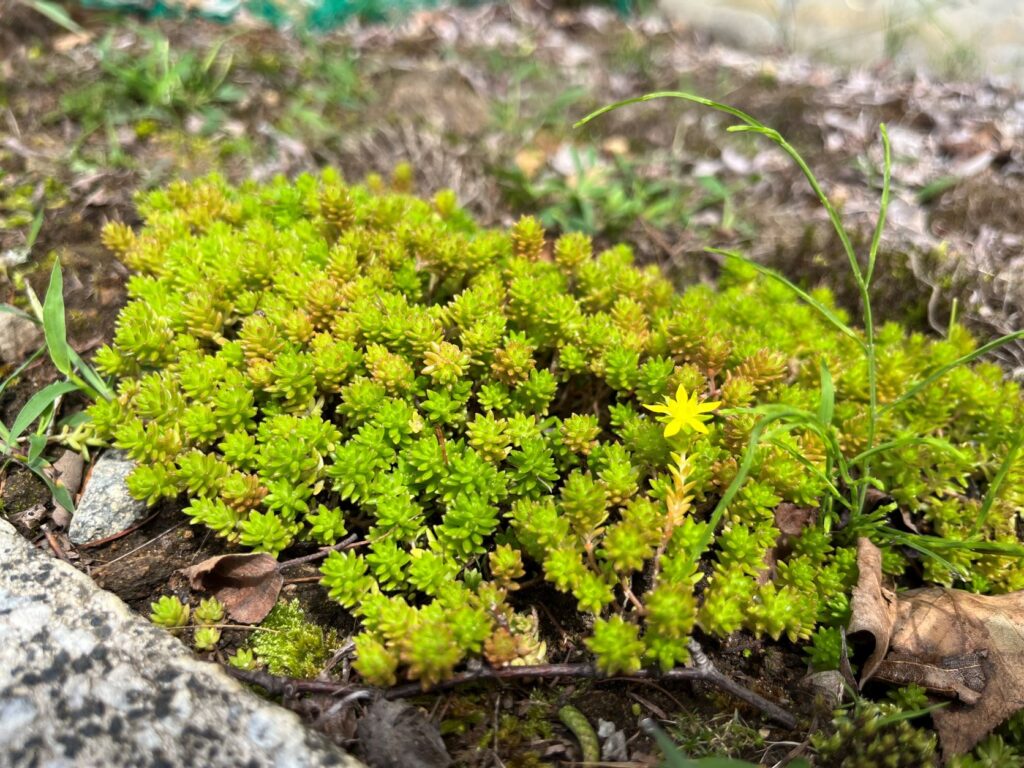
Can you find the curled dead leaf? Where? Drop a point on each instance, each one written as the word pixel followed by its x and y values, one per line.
pixel 959 645
pixel 247 584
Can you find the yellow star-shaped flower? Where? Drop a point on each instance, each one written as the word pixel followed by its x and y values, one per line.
pixel 684 411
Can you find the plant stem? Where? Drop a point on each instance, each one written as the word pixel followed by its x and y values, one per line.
pixel 347 543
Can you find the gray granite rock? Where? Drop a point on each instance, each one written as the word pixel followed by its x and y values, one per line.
pixel 106 507
pixel 19 338
pixel 85 682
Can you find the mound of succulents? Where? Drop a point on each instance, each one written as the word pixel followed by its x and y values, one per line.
pixel 302 361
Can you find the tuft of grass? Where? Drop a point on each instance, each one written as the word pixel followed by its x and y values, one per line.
pixel 18 442
pixel 154 81
pixel 607 193
pixel 849 477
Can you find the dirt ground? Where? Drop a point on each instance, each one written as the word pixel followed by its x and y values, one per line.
pixel 483 101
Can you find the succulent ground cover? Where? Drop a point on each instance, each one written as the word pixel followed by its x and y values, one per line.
pixel 310 359
pixel 527 433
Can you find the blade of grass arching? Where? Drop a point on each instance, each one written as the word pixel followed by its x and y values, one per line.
pixel 742 471
pixel 753 125
pixel 883 207
pixel 7 309
pixel 56 14
pixel 54 328
pixel 17 371
pixel 818 306
pixel 910 541
pixel 809 466
pixel 36 405
pixel 911 714
pixel 739 114
pixel 939 445
pixel 60 493
pixel 90 375
pixel 978 546
pixel 673 756
pixel 997 482
pixel 795 417
pixel 36 444
pixel 962 360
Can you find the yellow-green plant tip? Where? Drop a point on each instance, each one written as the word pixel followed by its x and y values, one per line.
pixel 169 612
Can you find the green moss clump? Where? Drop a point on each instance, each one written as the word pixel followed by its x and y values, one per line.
pixel 313 359
pixel 291 645
pixel 875 734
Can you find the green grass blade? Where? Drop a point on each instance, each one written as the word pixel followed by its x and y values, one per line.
pixel 827 398
pixel 56 14
pixel 821 309
pixel 7 309
pixel 35 406
pixel 36 444
pixel 978 546
pixel 914 543
pixel 752 124
pixel 53 321
pixel 674 758
pixel 90 375
pixel 17 371
pixel 962 360
pixel 33 232
pixel 60 493
pixel 740 115
pixel 812 469
pixel 997 482
pixel 911 714
pixel 883 208
pixel 737 482
pixel 939 445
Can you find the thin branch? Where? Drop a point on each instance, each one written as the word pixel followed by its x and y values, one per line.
pixel 107 564
pixel 320 554
pixel 703 670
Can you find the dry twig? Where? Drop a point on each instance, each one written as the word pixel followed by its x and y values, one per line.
pixel 703 670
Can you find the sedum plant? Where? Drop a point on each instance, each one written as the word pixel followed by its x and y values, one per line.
pixel 169 612
pixel 306 360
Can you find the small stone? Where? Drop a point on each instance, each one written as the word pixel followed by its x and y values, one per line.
pixel 84 681
pixel 396 733
pixel 19 338
pixel 827 686
pixel 106 507
pixel 67 471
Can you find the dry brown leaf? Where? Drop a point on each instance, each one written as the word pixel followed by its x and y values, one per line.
pixel 247 584
pixel 72 40
pixel 616 145
pixel 791 521
pixel 957 644
pixel 529 161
